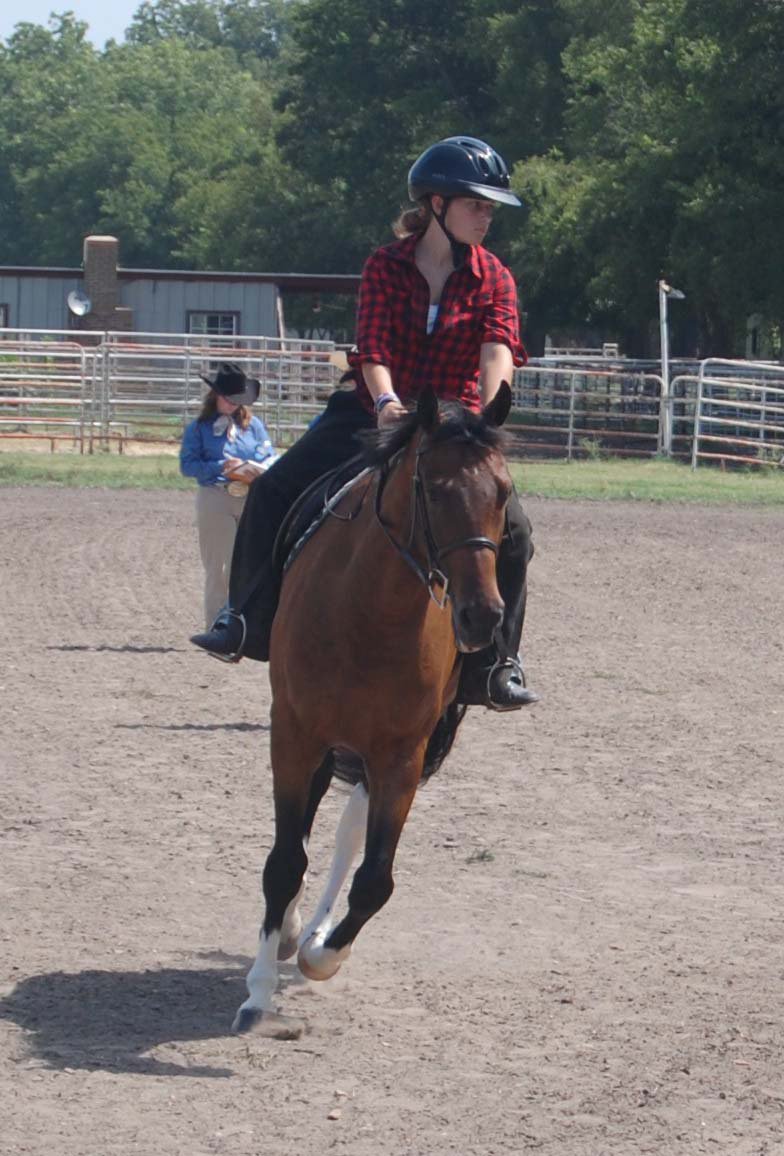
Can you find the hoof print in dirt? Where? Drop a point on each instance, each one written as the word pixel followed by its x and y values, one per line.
pixel 268 1024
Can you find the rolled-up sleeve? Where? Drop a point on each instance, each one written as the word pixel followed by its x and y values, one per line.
pixel 502 320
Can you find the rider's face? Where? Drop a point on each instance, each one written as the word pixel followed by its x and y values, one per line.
pixel 225 406
pixel 469 218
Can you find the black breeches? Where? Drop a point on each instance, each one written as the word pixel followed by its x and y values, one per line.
pixel 511 571
pixel 328 443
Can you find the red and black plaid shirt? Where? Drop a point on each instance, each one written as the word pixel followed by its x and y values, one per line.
pixel 478 305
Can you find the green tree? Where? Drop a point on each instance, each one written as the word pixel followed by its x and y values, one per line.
pixel 368 87
pixel 154 142
pixel 50 88
pixel 255 30
pixel 669 166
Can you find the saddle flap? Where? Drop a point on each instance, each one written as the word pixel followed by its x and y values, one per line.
pixel 309 511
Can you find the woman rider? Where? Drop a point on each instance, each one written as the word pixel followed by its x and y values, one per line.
pixel 435 308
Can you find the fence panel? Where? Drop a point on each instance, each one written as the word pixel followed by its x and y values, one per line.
pixel 48 387
pixel 574 412
pixel 107 389
pixel 739 413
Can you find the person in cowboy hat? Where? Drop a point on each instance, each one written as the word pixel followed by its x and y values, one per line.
pixel 224 449
pixel 435 309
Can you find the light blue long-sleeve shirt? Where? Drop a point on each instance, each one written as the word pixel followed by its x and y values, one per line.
pixel 203 453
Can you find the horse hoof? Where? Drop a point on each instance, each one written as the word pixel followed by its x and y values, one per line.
pixel 326 967
pixel 246 1020
pixel 268 1024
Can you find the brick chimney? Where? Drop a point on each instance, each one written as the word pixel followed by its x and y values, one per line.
pixel 101 286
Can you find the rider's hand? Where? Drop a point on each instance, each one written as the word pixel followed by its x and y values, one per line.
pixel 391 412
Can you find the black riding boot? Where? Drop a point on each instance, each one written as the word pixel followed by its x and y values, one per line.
pixel 498 686
pixel 225 639
pixel 245 632
pixel 494 677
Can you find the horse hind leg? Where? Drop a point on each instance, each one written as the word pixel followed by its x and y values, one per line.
pixel 291 930
pixel 349 837
pixel 392 790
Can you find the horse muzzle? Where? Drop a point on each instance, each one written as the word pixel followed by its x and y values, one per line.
pixel 475 623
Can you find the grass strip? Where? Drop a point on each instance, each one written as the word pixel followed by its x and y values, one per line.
pixel 646 481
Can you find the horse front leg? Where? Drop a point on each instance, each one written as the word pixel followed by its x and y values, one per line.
pixel 291 930
pixel 349 838
pixel 392 787
pixel 293 760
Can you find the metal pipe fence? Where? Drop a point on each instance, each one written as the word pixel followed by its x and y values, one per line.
pixel 739 413
pixel 576 412
pixel 106 391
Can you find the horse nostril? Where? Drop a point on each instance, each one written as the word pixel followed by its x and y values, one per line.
pixel 478 621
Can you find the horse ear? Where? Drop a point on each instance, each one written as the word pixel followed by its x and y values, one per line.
pixel 427 409
pixel 497 411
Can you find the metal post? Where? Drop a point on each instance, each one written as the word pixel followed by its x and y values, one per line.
pixel 697 415
pixel 666 424
pixel 570 437
pixel 187 398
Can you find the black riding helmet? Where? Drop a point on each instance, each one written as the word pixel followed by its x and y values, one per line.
pixel 461 166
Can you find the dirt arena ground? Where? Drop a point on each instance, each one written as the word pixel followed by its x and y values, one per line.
pixel 583 955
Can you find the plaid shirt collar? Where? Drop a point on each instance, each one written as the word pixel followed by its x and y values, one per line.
pixel 405 250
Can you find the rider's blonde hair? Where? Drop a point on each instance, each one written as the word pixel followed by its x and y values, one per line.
pixel 413 222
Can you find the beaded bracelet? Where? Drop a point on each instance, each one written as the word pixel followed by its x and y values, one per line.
pixel 384 399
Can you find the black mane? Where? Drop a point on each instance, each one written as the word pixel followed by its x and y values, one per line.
pixel 456 423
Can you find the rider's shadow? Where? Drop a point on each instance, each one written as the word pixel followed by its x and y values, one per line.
pixel 110 1020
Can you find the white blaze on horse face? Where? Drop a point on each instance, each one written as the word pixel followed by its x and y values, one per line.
pixel 349 840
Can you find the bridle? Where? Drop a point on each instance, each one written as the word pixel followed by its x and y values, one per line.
pixel 433 577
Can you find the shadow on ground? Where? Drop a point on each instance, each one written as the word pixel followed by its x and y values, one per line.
pixel 109 1020
pixel 228 726
pixel 128 648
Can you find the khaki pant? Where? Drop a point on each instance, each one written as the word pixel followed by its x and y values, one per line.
pixel 217 516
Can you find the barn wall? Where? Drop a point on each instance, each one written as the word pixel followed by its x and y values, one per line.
pixel 162 306
pixel 37 302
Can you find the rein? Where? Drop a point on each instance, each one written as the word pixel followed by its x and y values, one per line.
pixel 433 577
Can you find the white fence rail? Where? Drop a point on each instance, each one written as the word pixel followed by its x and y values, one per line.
pixel 145 387
pixel 110 389
pixel 739 413
pixel 578 412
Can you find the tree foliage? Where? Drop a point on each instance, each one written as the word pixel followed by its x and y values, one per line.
pixel 276 134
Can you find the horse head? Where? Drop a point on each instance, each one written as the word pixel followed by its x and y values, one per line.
pixel 449 484
pixel 465 485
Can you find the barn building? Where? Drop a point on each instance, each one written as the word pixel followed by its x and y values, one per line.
pixel 106 297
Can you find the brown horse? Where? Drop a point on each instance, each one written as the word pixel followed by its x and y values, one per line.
pixel 374 614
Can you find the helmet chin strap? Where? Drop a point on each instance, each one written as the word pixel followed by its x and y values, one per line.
pixel 459 249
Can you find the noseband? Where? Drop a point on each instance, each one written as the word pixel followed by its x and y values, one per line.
pixel 434 578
